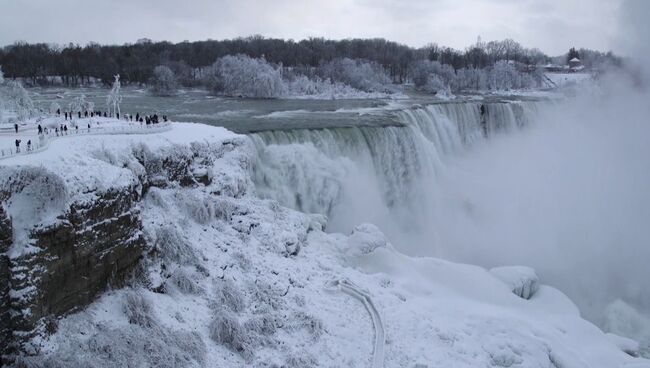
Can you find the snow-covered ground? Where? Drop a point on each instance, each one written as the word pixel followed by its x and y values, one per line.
pixel 235 281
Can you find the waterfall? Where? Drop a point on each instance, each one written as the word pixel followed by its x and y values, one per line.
pixel 379 174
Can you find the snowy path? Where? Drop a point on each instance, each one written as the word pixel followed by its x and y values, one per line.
pixel 41 145
pixel 351 289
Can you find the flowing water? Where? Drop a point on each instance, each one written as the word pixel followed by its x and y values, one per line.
pixel 381 174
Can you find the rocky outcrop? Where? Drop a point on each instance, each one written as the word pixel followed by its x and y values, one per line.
pixel 90 247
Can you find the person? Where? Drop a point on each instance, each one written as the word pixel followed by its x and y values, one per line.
pixel 58 111
pixel 66 115
pixel 105 114
pixel 79 112
pixel 40 129
pixel 118 116
pixel 88 126
pixel 86 113
pixel 137 116
pixel 92 114
pixel 56 130
pixel 29 145
pixel 65 128
pixel 17 145
pixel 76 128
pixel 130 117
pixel 16 127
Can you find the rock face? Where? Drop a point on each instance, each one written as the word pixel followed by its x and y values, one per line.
pixel 5 315
pixel 91 246
pixel 68 231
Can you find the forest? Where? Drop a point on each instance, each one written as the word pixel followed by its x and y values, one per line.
pixel 37 63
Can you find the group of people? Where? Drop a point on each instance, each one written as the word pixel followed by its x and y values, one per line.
pixel 29 145
pixel 149 119
pixel 92 114
pixel 62 129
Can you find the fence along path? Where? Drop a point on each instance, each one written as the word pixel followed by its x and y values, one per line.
pixel 42 142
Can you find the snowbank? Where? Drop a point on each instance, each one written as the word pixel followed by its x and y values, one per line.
pixel 233 280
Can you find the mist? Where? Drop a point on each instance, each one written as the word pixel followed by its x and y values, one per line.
pixel 569 195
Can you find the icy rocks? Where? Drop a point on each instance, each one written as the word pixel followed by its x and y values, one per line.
pixel 523 281
pixel 364 239
pixel 317 222
pixel 628 346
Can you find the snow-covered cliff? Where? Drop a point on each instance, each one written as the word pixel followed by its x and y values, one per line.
pixel 167 258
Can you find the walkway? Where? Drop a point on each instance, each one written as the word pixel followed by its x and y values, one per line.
pixel 41 142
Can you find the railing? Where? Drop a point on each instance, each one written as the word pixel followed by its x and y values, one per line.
pixel 44 139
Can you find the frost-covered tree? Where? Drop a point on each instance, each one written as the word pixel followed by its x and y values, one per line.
pixel 243 76
pixel 505 76
pixel 364 75
pixel 114 98
pixel 474 79
pixel 301 85
pixel 18 100
pixel 80 103
pixel 75 104
pixel 87 106
pixel 431 76
pixel 54 106
pixel 163 82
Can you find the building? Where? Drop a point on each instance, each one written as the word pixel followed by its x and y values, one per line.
pixel 576 64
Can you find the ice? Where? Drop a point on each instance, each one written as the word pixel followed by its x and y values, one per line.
pixel 523 281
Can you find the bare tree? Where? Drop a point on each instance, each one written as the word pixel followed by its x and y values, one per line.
pixel 114 98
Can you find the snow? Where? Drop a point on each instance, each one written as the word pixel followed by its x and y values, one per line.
pixel 233 280
pixel 568 79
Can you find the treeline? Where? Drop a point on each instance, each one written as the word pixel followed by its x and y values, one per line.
pixel 135 63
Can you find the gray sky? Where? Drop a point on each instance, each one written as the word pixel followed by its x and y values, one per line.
pixel 551 25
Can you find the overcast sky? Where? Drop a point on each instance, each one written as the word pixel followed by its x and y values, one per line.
pixel 551 25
